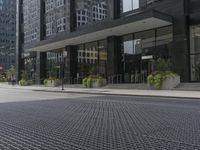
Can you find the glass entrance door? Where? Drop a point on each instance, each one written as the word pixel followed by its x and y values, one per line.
pixel 147 67
pixel 140 49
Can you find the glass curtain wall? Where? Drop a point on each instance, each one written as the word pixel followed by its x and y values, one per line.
pixel 164 40
pixel 57 16
pixel 54 61
pixel 92 59
pixel 88 11
pixel 140 50
pixel 87 59
pixel 195 52
pixel 30 67
pixel 131 57
pixel 102 58
pixel 129 5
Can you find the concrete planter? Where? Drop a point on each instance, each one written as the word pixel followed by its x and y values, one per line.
pixel 99 83
pixel 52 83
pixel 25 83
pixel 170 83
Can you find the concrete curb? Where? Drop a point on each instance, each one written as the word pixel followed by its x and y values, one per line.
pixel 113 94
pixel 103 93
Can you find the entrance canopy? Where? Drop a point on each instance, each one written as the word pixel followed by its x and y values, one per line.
pixel 125 25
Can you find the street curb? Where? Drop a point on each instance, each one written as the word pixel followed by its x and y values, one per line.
pixel 129 95
pixel 104 94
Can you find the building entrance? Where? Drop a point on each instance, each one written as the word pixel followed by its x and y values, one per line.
pixel 138 68
pixel 139 51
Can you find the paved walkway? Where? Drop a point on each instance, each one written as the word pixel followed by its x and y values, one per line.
pixel 122 92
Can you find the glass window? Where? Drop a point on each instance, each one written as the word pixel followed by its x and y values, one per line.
pixel 164 40
pixel 87 58
pixel 30 67
pixel 103 57
pixel 131 46
pixel 195 52
pixel 195 39
pixel 131 57
pixel 54 60
pixel 145 42
pixel 128 44
pixel 195 67
pixel 128 5
pixel 164 35
pixel 135 4
pixel 88 11
pixel 91 52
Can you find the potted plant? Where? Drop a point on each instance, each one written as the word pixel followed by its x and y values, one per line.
pixel 94 81
pixel 25 81
pixel 52 81
pixel 163 78
pixel 2 78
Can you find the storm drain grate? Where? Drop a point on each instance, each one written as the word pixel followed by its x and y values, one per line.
pixel 99 123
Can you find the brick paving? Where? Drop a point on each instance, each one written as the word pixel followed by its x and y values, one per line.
pixel 101 123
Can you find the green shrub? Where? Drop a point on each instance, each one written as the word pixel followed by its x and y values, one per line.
pixel 3 78
pixel 89 82
pixel 11 72
pixel 29 82
pixel 45 82
pixel 156 78
pixel 55 80
pixel 24 75
pixel 163 65
pixel 150 80
pixel 93 70
pixel 25 83
pixel 22 82
pixel 85 82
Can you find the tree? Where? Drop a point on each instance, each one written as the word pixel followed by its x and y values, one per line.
pixel 11 72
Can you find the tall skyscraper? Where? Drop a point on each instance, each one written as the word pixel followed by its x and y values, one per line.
pixel 7 33
pixel 120 38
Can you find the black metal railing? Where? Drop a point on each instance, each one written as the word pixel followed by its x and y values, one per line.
pixel 128 78
pixel 115 79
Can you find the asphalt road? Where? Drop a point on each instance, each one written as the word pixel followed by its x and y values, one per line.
pixel 54 121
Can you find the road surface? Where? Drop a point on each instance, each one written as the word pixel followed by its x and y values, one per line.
pixel 57 121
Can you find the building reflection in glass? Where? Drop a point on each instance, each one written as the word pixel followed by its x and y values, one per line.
pixel 140 50
pixel 92 56
pixel 54 61
pixel 195 52
pixel 30 67
pixel 88 11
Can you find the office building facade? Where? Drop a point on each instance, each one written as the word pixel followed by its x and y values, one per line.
pixel 121 39
pixel 7 33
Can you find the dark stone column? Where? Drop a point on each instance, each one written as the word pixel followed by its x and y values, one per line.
pixel 71 64
pixel 180 51
pixel 181 44
pixel 19 41
pixel 142 4
pixel 40 67
pixel 72 15
pixel 42 20
pixel 114 64
pixel 114 8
